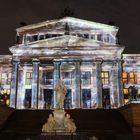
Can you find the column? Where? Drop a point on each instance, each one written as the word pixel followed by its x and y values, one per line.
pixel 35 81
pixel 56 78
pixel 77 85
pixel 14 83
pixel 113 86
pixel 20 95
pixel 120 83
pixel 0 78
pixel 98 83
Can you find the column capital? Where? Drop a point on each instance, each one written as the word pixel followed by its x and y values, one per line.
pixel 98 60
pixel 56 62
pixel 118 60
pixel 35 60
pixel 15 60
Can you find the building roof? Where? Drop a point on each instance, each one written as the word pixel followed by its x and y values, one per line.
pixel 71 21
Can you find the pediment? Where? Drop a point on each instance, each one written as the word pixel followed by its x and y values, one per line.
pixel 65 41
pixel 66 44
pixel 75 25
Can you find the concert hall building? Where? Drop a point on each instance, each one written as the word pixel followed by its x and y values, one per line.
pixel 85 55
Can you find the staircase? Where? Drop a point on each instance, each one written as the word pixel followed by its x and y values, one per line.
pixel 5 112
pixel 101 123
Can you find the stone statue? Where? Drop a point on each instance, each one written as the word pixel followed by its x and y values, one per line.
pixel 69 124
pixel 59 121
pixel 61 91
pixel 50 125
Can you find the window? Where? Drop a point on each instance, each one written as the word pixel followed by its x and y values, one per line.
pixel 92 36
pixel 49 78
pixel 131 75
pixel 86 36
pixel 99 37
pixel 86 98
pixel 106 38
pixel 67 77
pixel 105 77
pixel 124 77
pixel 3 76
pixel 9 79
pixel 28 78
pixel 125 90
pixel 126 95
pixel 5 97
pixel 86 77
pixel 138 77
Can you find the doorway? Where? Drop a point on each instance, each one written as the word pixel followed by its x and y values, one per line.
pixel 86 98
pixel 27 100
pixel 67 101
pixel 48 98
pixel 106 98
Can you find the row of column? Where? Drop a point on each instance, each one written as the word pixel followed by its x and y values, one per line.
pixel 77 87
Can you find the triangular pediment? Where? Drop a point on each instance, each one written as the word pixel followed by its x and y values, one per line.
pixel 74 24
pixel 65 41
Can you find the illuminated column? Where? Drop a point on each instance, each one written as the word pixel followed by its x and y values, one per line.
pixel 120 83
pixel 98 83
pixel 0 78
pixel 93 89
pixel 14 83
pixel 77 85
pixel 20 99
pixel 35 78
pixel 56 77
pixel 113 86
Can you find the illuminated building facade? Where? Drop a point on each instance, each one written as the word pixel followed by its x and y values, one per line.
pixel 85 55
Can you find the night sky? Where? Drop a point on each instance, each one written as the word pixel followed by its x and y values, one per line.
pixel 125 14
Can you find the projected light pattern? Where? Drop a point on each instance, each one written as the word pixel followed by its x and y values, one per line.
pixel 83 54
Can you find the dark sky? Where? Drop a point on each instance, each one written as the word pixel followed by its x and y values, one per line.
pixel 125 13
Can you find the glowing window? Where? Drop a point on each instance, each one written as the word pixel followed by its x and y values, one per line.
pixel 139 91
pixel 3 77
pixel 125 90
pixel 131 76
pixel 126 101
pixel 138 77
pixel 9 79
pixel 105 77
pixel 124 77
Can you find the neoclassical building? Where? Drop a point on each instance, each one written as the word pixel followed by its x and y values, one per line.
pixel 83 54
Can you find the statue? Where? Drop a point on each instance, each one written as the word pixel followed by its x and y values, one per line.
pixel 50 125
pixel 61 91
pixel 69 124
pixel 59 121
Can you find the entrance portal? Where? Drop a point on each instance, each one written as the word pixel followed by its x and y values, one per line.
pixel 67 102
pixel 106 98
pixel 48 98
pixel 86 98
pixel 27 100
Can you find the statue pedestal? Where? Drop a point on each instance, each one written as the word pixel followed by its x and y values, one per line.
pixel 59 122
pixel 59 116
